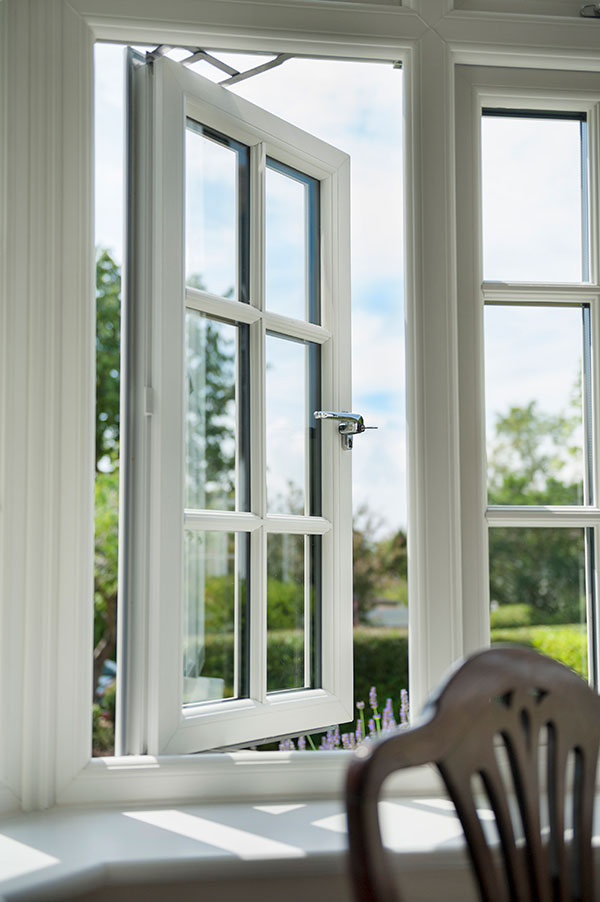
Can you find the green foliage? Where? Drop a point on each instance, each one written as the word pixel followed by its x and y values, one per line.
pixel 103 733
pixel 285 604
pixel 105 560
pixel 509 615
pixel 531 455
pixel 108 337
pixel 380 657
pixel 542 568
pixel 566 643
pixel 211 382
pixel 366 565
pixel 532 462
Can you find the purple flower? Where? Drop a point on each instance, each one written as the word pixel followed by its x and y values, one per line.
pixel 360 706
pixel 373 697
pixel 348 741
pixel 404 709
pixel 388 722
pixel 360 733
pixel 287 745
pixel 372 730
pixel 301 743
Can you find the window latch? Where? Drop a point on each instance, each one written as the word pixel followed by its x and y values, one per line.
pixel 350 424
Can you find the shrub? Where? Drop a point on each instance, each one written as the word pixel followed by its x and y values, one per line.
pixel 103 733
pixel 509 615
pixel 566 643
pixel 380 659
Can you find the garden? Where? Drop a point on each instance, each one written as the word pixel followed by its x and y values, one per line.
pixel 536 575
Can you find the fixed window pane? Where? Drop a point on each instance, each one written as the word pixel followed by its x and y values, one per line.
pixel 538 591
pixel 293 434
pixel 534 404
pixel 216 211
pixel 291 253
pixel 215 655
pixel 533 205
pixel 216 401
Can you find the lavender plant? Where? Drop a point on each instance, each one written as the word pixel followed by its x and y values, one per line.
pixel 378 723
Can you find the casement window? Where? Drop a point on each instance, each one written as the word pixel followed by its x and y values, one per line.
pixel 238 325
pixel 529 298
pixel 46 414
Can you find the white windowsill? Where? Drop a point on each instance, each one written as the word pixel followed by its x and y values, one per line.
pixel 259 849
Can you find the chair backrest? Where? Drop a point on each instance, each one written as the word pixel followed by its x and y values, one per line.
pixel 529 728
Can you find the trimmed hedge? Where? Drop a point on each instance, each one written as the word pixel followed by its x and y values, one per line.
pixel 380 660
pixel 566 642
pixel 381 656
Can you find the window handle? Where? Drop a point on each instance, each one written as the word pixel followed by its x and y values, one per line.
pixel 350 424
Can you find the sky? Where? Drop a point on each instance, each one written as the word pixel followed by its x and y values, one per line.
pixel 531 231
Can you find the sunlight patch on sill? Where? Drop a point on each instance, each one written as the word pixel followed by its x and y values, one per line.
pixel 18 859
pixel 242 843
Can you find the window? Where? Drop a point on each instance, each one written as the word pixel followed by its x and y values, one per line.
pixel 536 320
pixel 243 340
pixel 46 355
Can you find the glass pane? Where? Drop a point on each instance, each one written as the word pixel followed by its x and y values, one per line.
pixel 215 622
pixel 290 423
pixel 537 591
pixel 532 199
pixel 214 403
pixel 285 612
pixel 535 436
pixel 211 206
pixel 286 261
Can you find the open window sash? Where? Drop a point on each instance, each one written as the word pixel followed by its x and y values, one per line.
pixel 210 537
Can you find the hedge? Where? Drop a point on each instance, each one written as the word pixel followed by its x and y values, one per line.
pixel 566 642
pixel 380 660
pixel 381 656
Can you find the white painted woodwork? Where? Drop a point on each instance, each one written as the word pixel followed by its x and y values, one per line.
pixel 46 354
pixel 46 347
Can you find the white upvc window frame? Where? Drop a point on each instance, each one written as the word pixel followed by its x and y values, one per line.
pixel 47 374
pixel 152 626
pixel 480 88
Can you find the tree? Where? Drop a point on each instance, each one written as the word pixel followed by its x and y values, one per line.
pixel 533 461
pixel 108 338
pixel 210 443
pixel 366 567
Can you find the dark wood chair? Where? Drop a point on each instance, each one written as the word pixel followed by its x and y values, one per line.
pixel 529 728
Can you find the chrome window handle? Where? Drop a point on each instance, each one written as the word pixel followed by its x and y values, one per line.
pixel 349 424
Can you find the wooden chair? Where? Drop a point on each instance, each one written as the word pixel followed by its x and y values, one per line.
pixel 530 729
